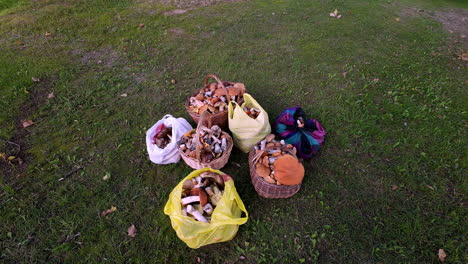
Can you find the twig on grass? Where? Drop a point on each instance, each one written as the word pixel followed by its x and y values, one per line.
pixel 70 173
pixel 16 144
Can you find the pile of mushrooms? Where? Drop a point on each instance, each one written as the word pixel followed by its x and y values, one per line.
pixel 213 97
pixel 275 164
pixel 201 195
pixel 251 112
pixel 213 141
pixel 163 136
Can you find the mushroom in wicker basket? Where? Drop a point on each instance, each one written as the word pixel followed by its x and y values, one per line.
pixel 214 98
pixel 275 169
pixel 205 147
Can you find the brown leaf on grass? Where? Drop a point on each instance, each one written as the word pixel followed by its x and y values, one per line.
pixel 51 95
pixel 47 34
pixel 109 211
pixel 394 187
pixel 132 231
pixel 397 19
pixel 442 255
pixel 345 74
pixel 35 79
pixel 141 25
pixel 464 56
pixel 27 123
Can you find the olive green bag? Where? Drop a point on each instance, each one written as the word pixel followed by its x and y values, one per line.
pixel 247 131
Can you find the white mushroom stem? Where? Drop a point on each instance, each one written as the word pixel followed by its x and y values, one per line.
pixel 215 139
pixel 199 182
pixel 208 208
pixel 190 199
pixel 191 210
pixel 223 144
pixel 262 144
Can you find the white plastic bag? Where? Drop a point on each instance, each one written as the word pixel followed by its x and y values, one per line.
pixel 169 154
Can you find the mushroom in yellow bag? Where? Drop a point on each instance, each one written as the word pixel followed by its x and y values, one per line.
pixel 220 217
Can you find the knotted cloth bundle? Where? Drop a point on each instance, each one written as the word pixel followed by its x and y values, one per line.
pixel 307 135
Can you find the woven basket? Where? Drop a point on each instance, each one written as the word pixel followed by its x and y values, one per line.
pixel 216 164
pixel 266 189
pixel 220 118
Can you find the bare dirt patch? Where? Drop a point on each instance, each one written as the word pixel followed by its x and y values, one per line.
pixel 105 56
pixel 176 31
pixel 455 21
pixel 184 4
pixel 175 12
pixel 18 145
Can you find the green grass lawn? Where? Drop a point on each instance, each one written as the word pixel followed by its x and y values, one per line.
pixel 389 185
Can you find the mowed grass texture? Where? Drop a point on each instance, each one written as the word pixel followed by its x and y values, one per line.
pixel 388 186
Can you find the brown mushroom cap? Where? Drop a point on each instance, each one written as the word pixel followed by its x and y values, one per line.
pixel 202 109
pixel 234 91
pixel 199 97
pixel 288 170
pixel 240 86
pixel 270 137
pixel 219 92
pixel 270 180
pixel 201 193
pixel 262 171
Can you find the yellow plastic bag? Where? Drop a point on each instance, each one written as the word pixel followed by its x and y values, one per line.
pixel 225 219
pixel 247 131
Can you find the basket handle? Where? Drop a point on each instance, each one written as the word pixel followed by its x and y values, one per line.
pixel 197 133
pixel 219 83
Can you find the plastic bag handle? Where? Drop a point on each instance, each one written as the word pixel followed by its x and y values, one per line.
pixel 219 83
pixel 167 116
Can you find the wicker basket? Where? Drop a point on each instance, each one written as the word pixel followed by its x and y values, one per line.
pixel 220 118
pixel 266 189
pixel 216 164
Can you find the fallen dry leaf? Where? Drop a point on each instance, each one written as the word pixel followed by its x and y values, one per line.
pixel 173 81
pixel 132 231
pixel 47 34
pixel 10 158
pixel 35 79
pixel 51 95
pixel 394 187
pixel 442 255
pixel 141 25
pixel 109 211
pixel 3 155
pixel 124 95
pixel 27 123
pixel 397 19
pixel 345 74
pixel 106 177
pixel 464 56
pixel 335 14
